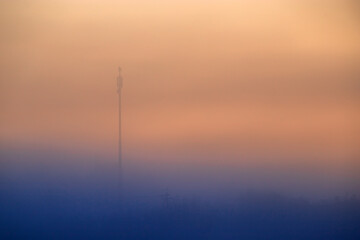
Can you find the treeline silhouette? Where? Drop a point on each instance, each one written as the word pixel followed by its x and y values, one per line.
pixel 254 215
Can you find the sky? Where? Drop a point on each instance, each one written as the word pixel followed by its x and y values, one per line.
pixel 240 84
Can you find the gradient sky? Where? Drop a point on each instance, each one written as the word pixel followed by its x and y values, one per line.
pixel 240 82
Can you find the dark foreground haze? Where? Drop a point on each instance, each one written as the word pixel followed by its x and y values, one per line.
pixel 61 200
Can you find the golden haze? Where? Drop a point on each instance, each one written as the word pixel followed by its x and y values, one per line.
pixel 212 78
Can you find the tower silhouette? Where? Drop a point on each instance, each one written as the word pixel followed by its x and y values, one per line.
pixel 119 87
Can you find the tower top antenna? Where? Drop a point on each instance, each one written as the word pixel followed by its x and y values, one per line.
pixel 119 81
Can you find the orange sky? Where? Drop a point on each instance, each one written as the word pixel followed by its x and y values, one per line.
pixel 210 78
